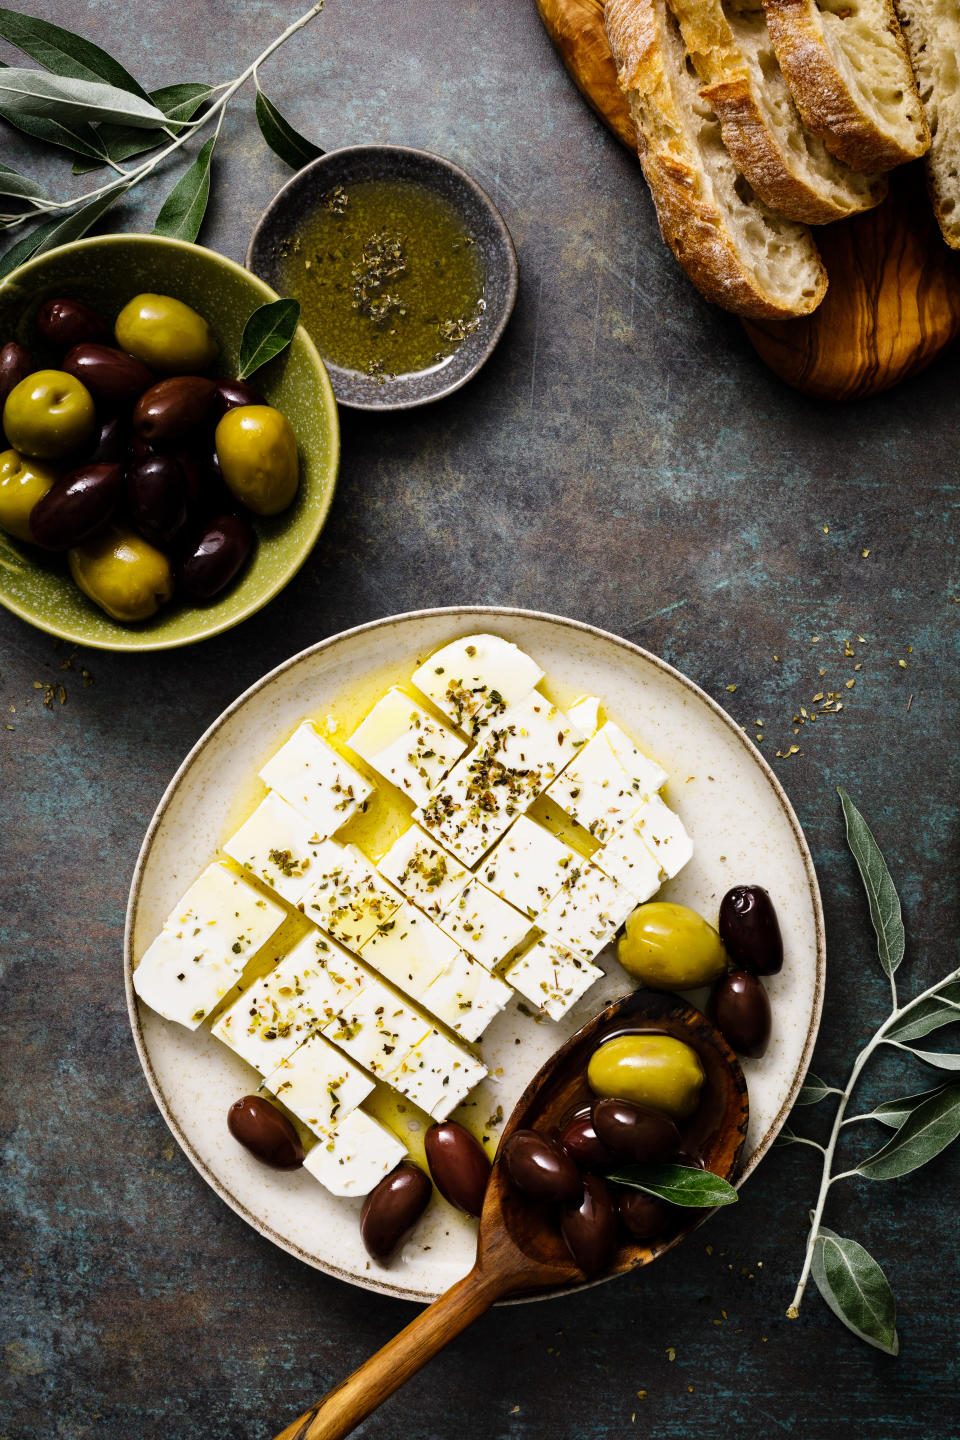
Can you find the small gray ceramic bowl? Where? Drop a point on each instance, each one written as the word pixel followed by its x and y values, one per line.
pixel 301 195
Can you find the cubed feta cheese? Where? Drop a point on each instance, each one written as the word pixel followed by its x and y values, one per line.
pixel 278 845
pixel 219 924
pixel 534 740
pixel 437 1074
pixel 423 870
pixel 466 997
pixel 303 992
pixel 478 673
pixel 355 1156
pixel 377 1029
pixel 321 1086
pixel 647 776
pixel 347 896
pixel 528 866
pixel 588 910
pixel 628 860
pixel 310 775
pixel 596 791
pixel 664 836
pixel 484 925
pixel 551 977
pixel 585 714
pixel 406 745
pixel 410 950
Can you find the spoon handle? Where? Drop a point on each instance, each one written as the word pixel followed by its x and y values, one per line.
pixel 354 1398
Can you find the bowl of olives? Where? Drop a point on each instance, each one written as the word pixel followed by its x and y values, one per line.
pixel 148 498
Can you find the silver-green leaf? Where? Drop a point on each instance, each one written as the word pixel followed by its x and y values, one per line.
pixel 56 97
pixel 814 1090
pixel 13 258
pixel 937 1058
pixel 679 1184
pixel 59 232
pixel 20 186
pixel 178 103
pixel 182 212
pixel 881 892
pixel 78 137
pixel 856 1289
pixel 894 1112
pixel 65 53
pixel 927 1130
pixel 268 331
pixel 283 139
pixel 931 1014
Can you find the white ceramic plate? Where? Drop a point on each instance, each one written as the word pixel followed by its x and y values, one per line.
pixel 744 831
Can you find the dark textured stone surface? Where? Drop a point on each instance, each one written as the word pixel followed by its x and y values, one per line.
pixel 624 459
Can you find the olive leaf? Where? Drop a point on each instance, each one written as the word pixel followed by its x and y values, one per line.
pixel 268 331
pixel 80 138
pixel 280 135
pixel 181 214
pixel 927 1130
pixel 856 1290
pixel 60 232
pixel 13 258
pixel 894 1112
pixel 178 103
pixel 19 186
pixel 936 1058
pixel 881 892
pixel 55 97
pixel 940 1009
pixel 65 53
pixel 680 1184
pixel 814 1090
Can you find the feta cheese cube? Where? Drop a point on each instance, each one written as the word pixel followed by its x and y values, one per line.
pixel 423 871
pixel 466 997
pixel 310 775
pixel 534 740
pixel 377 1029
pixel 647 776
pixel 484 925
pixel 528 866
pixel 551 977
pixel 596 791
pixel 406 745
pixel 319 1085
pixel 347 896
pixel 585 714
pixel 664 836
pixel 355 1155
pixel 278 845
pixel 410 950
pixel 219 924
pixel 628 860
pixel 478 673
pixel 303 992
pixel 587 912
pixel 437 1074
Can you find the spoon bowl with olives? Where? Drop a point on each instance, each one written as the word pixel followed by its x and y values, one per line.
pixel 649 1078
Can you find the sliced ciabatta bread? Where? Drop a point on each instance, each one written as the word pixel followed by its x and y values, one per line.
pixel 931 29
pixel 735 249
pixel 788 167
pixel 846 64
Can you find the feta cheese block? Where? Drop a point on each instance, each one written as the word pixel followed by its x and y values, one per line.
pixel 478 676
pixel 648 777
pixel 355 1155
pixel 551 977
pixel 529 866
pixel 278 845
pixel 437 1074
pixel 631 864
pixel 587 912
pixel 410 950
pixel 377 1029
pixel 303 992
pixel 466 997
pixel 310 775
pixel 585 714
pixel 533 739
pixel 219 924
pixel 663 834
pixel 596 791
pixel 405 744
pixel 484 925
pixel 424 871
pixel 347 896
pixel 318 1084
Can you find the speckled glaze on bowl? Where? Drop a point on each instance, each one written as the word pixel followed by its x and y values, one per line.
pixel 744 831
pixel 300 197
pixel 106 272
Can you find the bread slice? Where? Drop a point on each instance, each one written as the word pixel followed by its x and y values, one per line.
pixel 736 250
pixel 846 64
pixel 931 29
pixel 789 168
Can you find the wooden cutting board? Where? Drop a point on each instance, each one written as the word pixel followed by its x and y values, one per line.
pixel 894 299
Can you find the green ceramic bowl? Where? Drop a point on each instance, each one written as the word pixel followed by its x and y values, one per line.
pixel 106 272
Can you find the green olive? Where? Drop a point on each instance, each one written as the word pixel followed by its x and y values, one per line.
pixel 166 335
pixel 668 947
pixel 258 457
pixel 22 483
pixel 653 1070
pixel 122 574
pixel 49 414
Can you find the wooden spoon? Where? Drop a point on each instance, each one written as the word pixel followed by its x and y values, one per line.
pixel 519 1248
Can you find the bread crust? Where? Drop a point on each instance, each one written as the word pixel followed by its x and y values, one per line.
pixel 825 100
pixel 932 38
pixel 691 223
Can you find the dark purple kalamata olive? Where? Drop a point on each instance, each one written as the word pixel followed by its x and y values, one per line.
pixel 216 558
pixel 159 498
pixel 392 1209
pixel 635 1132
pixel 139 449
pixel 580 1138
pixel 231 393
pixel 590 1227
pixel 65 323
pixel 114 379
pixel 15 365
pixel 740 1009
pixel 459 1166
pixel 196 472
pixel 541 1168
pixel 171 412
pixel 77 506
pixel 643 1215
pixel 111 443
pixel 265 1132
pixel 750 930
